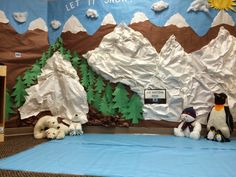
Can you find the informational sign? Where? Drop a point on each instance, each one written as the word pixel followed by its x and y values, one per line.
pixel 154 96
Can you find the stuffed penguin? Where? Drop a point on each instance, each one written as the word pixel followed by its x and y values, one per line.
pixel 219 120
pixel 188 127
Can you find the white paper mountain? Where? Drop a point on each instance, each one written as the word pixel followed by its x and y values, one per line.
pixel 189 79
pixel 58 91
pixel 3 18
pixel 223 18
pixel 73 25
pixel 177 20
pixel 38 24
pixel 108 19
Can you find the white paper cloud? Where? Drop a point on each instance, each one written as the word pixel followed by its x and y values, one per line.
pixel 20 17
pixel 199 5
pixel 55 24
pixel 92 13
pixel 159 6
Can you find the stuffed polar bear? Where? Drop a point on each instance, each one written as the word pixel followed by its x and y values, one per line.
pixel 53 133
pixel 188 127
pixel 47 122
pixel 76 124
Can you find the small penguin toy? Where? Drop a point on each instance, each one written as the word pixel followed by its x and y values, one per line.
pixel 219 120
pixel 188 127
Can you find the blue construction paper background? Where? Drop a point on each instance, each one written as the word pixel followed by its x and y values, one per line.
pixel 122 11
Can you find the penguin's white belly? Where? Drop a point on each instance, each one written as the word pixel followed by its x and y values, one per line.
pixel 217 119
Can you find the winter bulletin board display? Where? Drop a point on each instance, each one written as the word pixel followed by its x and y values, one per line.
pixel 122 47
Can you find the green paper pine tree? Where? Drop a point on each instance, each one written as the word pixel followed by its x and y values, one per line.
pixel 108 92
pixel 50 51
pixel 43 60
pixel 19 92
pixel 58 43
pixel 28 78
pixel 67 55
pixel 54 47
pixel 62 50
pixel 75 61
pixel 99 85
pixel 121 98
pixel 90 95
pixel 91 77
pixel 104 106
pixel 36 70
pixel 97 101
pixel 109 97
pixel 8 106
pixel 84 72
pixel 134 110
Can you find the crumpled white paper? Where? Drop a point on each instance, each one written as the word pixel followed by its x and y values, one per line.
pixel 58 90
pixel 126 56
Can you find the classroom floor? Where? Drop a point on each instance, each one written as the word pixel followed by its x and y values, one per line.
pixel 15 144
pixel 127 155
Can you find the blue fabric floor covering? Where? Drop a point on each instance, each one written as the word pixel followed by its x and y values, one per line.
pixel 126 155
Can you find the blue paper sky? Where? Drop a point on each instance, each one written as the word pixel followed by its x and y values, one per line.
pixel 122 11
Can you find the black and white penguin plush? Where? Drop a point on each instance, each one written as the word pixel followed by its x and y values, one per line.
pixel 219 120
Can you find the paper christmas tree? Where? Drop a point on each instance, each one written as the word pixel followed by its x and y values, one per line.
pixel 121 98
pixel 62 50
pixel 99 85
pixel 97 100
pixel 90 95
pixel 104 106
pixel 75 61
pixel 43 60
pixel 50 51
pixel 9 105
pixel 67 55
pixel 91 77
pixel 29 78
pixel 84 72
pixel 36 70
pixel 134 110
pixel 19 92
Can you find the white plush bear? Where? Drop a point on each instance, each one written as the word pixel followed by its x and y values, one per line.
pixel 43 124
pixel 188 126
pixel 47 122
pixel 75 126
pixel 53 133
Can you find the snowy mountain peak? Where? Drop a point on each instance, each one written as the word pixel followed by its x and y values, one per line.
pixel 223 18
pixel 3 18
pixel 177 20
pixel 223 32
pixel 73 25
pixel 171 51
pixel 108 19
pixel 130 54
pixel 171 43
pixel 138 17
pixel 58 97
pixel 38 24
